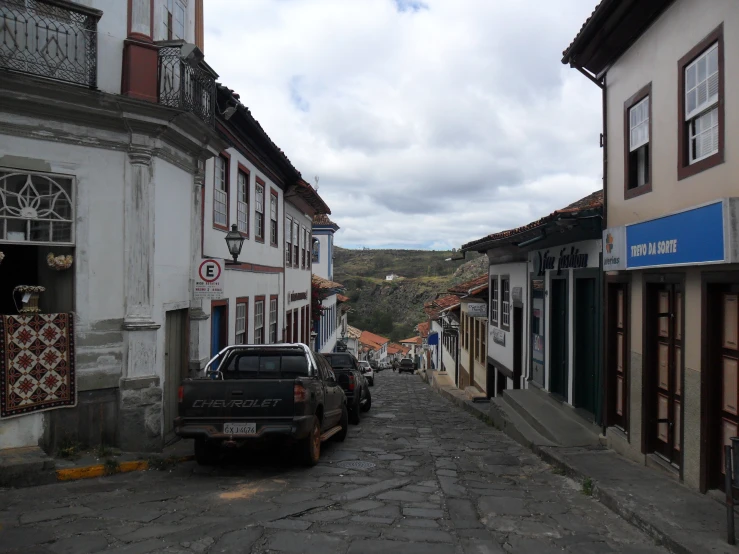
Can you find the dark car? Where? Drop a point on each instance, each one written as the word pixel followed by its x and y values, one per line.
pixel 406 365
pixel 262 392
pixel 349 376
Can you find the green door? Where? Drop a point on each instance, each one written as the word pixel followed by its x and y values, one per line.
pixel 585 346
pixel 558 379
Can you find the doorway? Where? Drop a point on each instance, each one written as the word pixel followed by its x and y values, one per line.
pixel 585 347
pixel 558 373
pixel 664 348
pixel 617 352
pixel 722 386
pixel 517 346
pixel 537 332
pixel 175 364
pixel 218 328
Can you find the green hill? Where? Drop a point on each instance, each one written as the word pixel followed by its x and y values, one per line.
pixel 394 308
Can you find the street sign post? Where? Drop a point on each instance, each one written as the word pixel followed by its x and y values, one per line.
pixel 208 279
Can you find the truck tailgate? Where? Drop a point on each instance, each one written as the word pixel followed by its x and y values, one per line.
pixel 252 400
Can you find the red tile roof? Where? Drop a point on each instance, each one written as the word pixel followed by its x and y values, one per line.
pixel 322 219
pixel 592 201
pixel 424 328
pixel 342 298
pixel 412 340
pixel 394 348
pixel 324 284
pixel 372 340
pixel 472 285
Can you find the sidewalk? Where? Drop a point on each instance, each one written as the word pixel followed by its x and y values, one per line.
pixel 31 466
pixel 682 520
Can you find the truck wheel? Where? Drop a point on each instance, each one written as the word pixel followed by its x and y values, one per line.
pixel 368 403
pixel 354 415
pixel 207 453
pixel 344 422
pixel 311 445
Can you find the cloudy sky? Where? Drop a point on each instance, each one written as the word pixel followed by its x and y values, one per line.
pixel 429 123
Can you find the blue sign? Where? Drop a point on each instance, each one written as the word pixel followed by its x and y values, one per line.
pixel 691 237
pixel 433 339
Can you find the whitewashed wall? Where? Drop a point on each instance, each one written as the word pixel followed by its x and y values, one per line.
pixel 321 268
pixel 297 280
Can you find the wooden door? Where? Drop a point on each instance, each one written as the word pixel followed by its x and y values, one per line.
pixel 558 378
pixel 517 346
pixel 617 356
pixel 723 344
pixel 586 346
pixel 666 361
pixel 175 364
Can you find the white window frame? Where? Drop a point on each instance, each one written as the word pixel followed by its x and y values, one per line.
pixel 274 234
pixel 259 322
pixel 273 320
pixel 494 297
pixel 242 202
pixel 639 124
pixel 220 192
pixel 705 111
pixel 43 199
pixel 175 8
pixel 506 297
pixel 296 244
pixel 240 323
pixel 259 209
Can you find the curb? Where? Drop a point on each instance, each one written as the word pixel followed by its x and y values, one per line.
pixel 610 501
pixel 100 470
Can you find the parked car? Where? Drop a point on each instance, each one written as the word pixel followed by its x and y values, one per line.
pixel 368 372
pixel 352 381
pixel 407 365
pixel 262 392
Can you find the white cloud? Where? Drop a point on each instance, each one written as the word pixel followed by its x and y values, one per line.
pixel 429 123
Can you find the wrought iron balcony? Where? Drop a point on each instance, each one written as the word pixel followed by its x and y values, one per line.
pixel 184 83
pixel 50 38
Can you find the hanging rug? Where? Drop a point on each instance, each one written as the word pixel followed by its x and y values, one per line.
pixel 36 363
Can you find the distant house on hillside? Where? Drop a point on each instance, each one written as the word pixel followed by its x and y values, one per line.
pixel 391 277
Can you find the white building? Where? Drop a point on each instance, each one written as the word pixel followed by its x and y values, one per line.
pixel 327 325
pixel 104 136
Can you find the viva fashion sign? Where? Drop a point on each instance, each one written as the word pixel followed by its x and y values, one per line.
pixel 573 260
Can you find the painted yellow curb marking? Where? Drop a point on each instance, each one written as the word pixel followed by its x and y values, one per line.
pixel 89 472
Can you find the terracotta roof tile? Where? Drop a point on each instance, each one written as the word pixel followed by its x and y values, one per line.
pixel 353 332
pixel 424 328
pixel 324 284
pixel 412 340
pixel 466 287
pixel 322 219
pixel 342 298
pixel 592 201
pixel 370 339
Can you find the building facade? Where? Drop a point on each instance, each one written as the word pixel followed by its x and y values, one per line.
pixel 670 246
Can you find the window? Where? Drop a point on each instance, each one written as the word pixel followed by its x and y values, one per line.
pixel 505 285
pixel 273 320
pixel 494 300
pixel 303 247
pixel 307 249
pixel 242 202
pixel 241 311
pixel 288 242
pixel 220 193
pixel 701 86
pixel 483 342
pixel 296 244
pixel 638 155
pixel 316 250
pixel 174 19
pixel 259 321
pixel 36 208
pixel 259 209
pixel 273 218
pixel 477 338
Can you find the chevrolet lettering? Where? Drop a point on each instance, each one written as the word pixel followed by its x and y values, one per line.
pixel 266 403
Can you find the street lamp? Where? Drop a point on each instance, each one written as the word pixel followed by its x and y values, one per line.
pixel 234 241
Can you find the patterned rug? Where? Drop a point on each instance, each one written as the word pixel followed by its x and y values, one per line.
pixel 36 363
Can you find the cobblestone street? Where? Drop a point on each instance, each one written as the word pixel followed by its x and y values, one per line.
pixel 418 475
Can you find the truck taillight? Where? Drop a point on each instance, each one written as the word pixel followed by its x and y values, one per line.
pixel 351 382
pixel 299 393
pixel 180 394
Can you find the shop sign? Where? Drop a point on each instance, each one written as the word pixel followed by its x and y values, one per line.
pixel 564 258
pixel 208 280
pixel 297 296
pixel 478 309
pixel 691 237
pixel 498 336
pixel 614 249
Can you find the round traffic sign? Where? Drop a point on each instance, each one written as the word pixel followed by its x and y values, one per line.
pixel 210 270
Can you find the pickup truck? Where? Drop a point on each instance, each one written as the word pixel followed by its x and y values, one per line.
pixel 353 382
pixel 407 365
pixel 248 393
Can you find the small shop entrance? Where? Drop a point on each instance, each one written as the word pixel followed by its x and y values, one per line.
pixel 559 375
pixel 586 347
pixel 722 377
pixel 664 351
pixel 175 364
pixel 219 326
pixel 616 357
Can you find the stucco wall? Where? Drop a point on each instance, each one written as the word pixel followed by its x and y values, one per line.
pixel 654 58
pixel 518 273
pixel 321 268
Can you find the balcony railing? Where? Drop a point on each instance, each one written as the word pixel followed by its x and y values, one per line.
pixel 184 86
pixel 49 38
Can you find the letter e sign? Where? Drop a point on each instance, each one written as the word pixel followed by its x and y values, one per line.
pixel 210 270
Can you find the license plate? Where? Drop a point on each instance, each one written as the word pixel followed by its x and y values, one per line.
pixel 240 428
